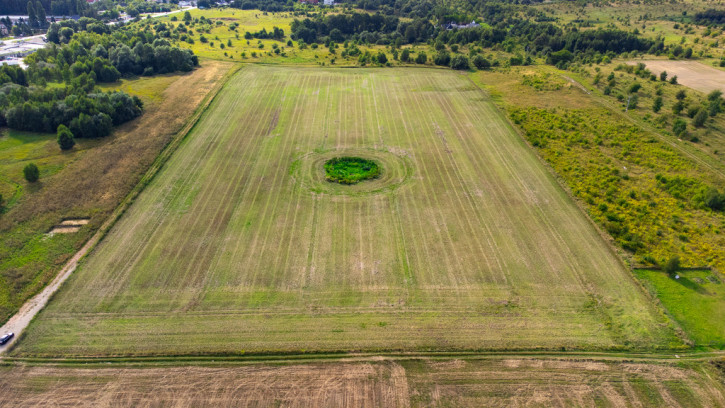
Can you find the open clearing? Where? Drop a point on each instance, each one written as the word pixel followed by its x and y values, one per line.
pixel 239 245
pixel 689 73
pixel 414 383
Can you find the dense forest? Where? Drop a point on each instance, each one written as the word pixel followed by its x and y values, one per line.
pixel 50 7
pixel 711 16
pixel 79 55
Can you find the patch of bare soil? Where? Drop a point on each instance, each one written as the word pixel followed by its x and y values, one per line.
pixel 692 74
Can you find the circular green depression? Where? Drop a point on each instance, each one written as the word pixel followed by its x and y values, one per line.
pixel 394 166
pixel 351 170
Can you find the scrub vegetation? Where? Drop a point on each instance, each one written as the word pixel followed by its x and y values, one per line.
pixel 351 170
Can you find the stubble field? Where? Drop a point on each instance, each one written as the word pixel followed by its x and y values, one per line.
pixel 239 245
pixel 498 382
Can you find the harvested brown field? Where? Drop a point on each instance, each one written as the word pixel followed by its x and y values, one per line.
pixel 315 385
pixel 692 74
pixel 554 383
pixel 410 383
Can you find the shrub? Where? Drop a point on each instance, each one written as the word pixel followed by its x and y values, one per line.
pixel 31 172
pixel 421 58
pixel 481 63
pixel 382 58
pixel 65 138
pixel 405 55
pixel 692 111
pixel 700 118
pixel 442 58
pixel 657 104
pixel 679 127
pixel 715 200
pixel 672 265
pixel 460 62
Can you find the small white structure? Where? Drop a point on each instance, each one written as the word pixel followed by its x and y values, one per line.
pixel 456 26
pixel 329 2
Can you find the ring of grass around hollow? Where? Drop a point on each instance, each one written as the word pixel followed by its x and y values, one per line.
pixel 394 165
pixel 351 170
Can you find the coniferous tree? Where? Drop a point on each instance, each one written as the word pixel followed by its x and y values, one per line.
pixel 31 172
pixel 32 18
pixel 65 138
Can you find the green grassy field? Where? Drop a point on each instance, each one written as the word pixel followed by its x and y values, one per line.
pixel 696 301
pixel 239 245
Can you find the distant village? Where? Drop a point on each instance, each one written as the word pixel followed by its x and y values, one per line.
pixel 315 2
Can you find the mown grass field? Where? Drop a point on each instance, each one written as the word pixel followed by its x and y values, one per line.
pixel 487 382
pixel 239 245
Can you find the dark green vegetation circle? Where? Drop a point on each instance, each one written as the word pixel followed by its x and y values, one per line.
pixel 351 170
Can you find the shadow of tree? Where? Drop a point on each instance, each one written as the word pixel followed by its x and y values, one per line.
pixel 689 284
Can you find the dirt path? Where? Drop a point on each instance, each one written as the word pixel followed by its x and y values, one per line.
pixel 27 312
pixel 32 307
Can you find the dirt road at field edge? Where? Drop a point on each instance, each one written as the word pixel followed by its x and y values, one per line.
pixel 18 322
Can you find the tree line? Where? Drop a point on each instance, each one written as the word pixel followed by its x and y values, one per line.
pixel 559 46
pixel 80 55
pixel 53 7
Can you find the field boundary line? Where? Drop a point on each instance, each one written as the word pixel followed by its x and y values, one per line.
pixel 662 356
pixel 30 309
pixel 616 251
